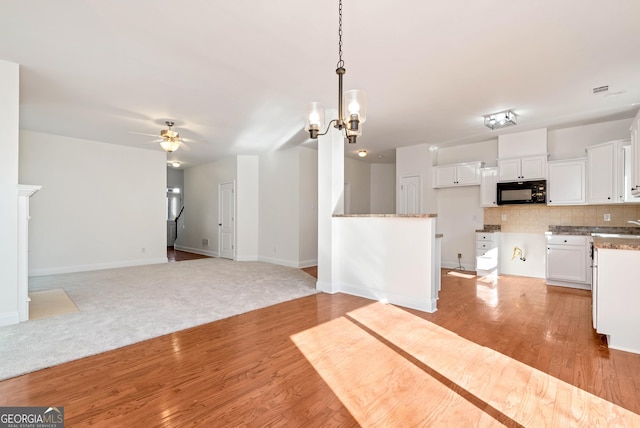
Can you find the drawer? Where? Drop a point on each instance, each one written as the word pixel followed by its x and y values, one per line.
pixel 483 245
pixel 567 239
pixel 484 236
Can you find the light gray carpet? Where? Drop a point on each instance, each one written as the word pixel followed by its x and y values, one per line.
pixel 122 306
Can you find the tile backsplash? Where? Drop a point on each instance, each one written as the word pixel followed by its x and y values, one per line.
pixel 537 218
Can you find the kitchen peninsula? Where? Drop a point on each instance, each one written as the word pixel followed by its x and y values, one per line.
pixel 616 291
pixel 389 257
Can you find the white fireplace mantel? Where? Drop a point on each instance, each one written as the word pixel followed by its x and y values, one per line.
pixel 25 191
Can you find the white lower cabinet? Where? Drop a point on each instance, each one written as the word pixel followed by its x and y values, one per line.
pixel 486 254
pixel 616 295
pixel 568 261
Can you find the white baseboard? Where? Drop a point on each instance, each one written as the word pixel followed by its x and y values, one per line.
pixel 209 253
pixel 326 287
pixel 247 259
pixel 9 318
pixel 455 265
pixel 393 298
pixel 96 266
pixel 281 262
pixel 307 263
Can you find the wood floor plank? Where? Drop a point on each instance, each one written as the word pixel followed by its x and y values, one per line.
pixel 247 370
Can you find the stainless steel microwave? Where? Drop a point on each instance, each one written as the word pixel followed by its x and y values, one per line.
pixel 522 192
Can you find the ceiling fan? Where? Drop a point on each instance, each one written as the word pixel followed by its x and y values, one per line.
pixel 170 140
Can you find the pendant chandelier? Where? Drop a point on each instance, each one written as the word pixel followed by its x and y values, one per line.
pixel 350 120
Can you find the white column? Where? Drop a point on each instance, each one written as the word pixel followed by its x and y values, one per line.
pixel 330 201
pixel 9 104
pixel 24 193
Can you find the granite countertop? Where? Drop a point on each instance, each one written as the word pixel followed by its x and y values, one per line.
pixel 489 228
pixel 617 243
pixel 588 230
pixel 388 215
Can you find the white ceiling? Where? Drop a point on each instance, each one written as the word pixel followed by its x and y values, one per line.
pixel 237 74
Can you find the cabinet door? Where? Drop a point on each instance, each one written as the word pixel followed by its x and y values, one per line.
pixel 601 174
pixel 567 263
pixel 488 180
pixel 625 186
pixel 508 169
pixel 534 168
pixel 444 176
pixel 566 185
pixel 467 174
pixel 635 155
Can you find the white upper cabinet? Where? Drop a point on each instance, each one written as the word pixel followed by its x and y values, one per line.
pixel 626 176
pixel 566 182
pixel 604 173
pixel 635 155
pixel 528 168
pixel 523 155
pixel 488 181
pixel 461 174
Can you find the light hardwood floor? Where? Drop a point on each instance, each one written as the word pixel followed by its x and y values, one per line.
pixel 339 360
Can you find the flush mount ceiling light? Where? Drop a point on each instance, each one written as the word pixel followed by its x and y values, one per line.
pixel 349 121
pixel 500 120
pixel 362 153
pixel 174 164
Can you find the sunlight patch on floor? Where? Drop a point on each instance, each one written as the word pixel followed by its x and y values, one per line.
pixel 390 367
pixel 460 274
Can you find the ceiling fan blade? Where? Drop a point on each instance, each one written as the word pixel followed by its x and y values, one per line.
pixel 191 140
pixel 184 146
pixel 142 133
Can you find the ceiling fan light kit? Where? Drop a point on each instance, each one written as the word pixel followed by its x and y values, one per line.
pixel 170 139
pixel 349 120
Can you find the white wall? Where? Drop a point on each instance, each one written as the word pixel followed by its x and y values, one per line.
pixel 417 161
pixel 484 151
pixel 175 177
pixel 459 216
pixel 570 143
pixel 247 211
pixel 279 207
pixel 358 175
pixel 533 246
pixel 9 88
pixel 308 219
pixel 200 217
pixel 459 211
pixel 383 188
pixel 101 206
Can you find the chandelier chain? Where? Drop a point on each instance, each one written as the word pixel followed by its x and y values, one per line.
pixel 340 61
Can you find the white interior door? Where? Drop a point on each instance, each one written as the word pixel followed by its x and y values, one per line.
pixel 226 223
pixel 410 195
